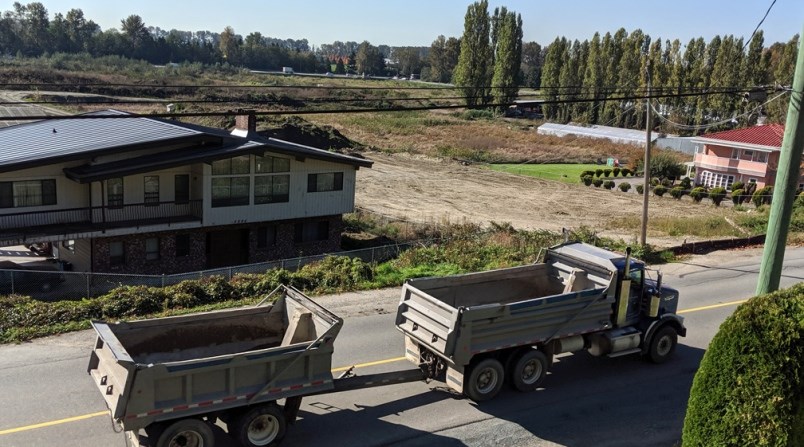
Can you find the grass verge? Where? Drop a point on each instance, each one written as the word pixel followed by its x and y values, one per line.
pixel 568 173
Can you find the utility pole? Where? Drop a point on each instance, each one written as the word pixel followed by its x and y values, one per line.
pixel 646 189
pixel 786 184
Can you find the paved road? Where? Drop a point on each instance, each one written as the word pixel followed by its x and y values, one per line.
pixel 46 397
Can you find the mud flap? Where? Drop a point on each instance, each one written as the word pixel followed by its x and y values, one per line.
pixel 455 379
pixel 291 409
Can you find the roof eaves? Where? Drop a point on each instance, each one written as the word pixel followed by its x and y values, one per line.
pixel 289 148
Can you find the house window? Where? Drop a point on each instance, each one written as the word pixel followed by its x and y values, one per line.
pixel 68 244
pixel 311 232
pixel 735 154
pixel 232 166
pixel 114 191
pixel 117 253
pixel 271 188
pixel 152 249
pixel 181 191
pixel 266 236
pixel 761 157
pixel 27 193
pixel 752 180
pixel 182 245
pixel 269 165
pixel 151 190
pixel 331 181
pixel 748 155
pixel 230 191
pixel 714 180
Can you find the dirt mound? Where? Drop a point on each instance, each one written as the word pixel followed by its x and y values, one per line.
pixel 297 130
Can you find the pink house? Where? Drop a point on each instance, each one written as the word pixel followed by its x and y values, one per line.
pixel 749 155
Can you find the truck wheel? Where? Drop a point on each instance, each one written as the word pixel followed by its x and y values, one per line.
pixel 529 370
pixel 485 380
pixel 260 426
pixel 663 344
pixel 187 433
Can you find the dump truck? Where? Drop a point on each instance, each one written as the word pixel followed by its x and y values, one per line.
pixel 479 330
pixel 166 381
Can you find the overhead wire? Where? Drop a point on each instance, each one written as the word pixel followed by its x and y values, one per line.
pixel 719 123
pixel 759 24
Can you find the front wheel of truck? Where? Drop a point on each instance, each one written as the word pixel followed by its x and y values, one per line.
pixel 663 344
pixel 485 380
pixel 260 426
pixel 187 433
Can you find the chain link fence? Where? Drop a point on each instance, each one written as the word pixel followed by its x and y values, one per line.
pixel 63 285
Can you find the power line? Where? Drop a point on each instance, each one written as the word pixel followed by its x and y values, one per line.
pixel 343 111
pixel 759 24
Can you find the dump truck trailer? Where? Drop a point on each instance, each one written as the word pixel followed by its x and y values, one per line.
pixel 479 330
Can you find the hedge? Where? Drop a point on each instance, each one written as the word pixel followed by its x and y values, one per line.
pixel 717 195
pixel 749 388
pixel 762 196
pixel 677 192
pixel 608 184
pixel 624 186
pixel 698 193
pixel 659 190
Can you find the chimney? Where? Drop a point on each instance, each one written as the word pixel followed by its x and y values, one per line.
pixel 245 123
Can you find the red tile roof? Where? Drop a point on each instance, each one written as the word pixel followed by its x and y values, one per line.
pixel 765 135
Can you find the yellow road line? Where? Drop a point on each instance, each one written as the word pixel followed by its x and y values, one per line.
pixel 342 368
pixel 50 423
pixel 363 365
pixel 106 413
pixel 713 306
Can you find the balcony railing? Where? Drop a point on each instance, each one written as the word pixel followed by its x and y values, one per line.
pixel 97 218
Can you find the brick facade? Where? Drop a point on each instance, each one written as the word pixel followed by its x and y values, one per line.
pixel 283 246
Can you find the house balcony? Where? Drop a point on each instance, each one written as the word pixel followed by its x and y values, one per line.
pixel 724 164
pixel 19 228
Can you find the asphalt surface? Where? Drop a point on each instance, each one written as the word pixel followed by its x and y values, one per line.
pixel 46 397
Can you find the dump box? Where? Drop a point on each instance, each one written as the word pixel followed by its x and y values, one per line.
pixel 171 368
pixel 460 316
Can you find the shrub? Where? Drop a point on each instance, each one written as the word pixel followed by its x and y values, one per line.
pixel 667 183
pixel 608 184
pixel 615 171
pixel 762 196
pixel 654 182
pixel 587 173
pixel 606 172
pixel 587 180
pixel 626 172
pixel 698 193
pixel 749 388
pixel 737 185
pixel 737 196
pixel 597 182
pixel 659 190
pixel 717 195
pixel 686 183
pixel 677 192
pixel 640 189
pixel 624 186
pixel 598 172
pixel 799 200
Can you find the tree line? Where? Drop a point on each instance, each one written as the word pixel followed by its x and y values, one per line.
pixel 608 68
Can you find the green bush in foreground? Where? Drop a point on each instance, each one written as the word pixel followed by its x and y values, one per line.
pixel 624 186
pixel 698 193
pixel 659 190
pixel 608 184
pixel 749 389
pixel 677 192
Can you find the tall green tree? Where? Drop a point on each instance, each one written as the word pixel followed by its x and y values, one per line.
pixel 473 72
pixel 532 62
pixel 554 60
pixel 367 59
pixel 229 46
pixel 508 57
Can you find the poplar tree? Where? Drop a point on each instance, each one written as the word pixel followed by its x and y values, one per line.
pixel 592 83
pixel 472 74
pixel 551 72
pixel 508 56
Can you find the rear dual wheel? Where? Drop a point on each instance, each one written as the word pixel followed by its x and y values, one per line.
pixel 186 433
pixel 260 426
pixel 528 370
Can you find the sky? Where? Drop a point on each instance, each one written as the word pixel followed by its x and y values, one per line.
pixel 419 22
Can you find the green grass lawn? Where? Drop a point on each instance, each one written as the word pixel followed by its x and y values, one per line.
pixel 569 173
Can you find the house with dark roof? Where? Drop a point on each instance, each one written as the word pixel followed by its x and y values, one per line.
pixel 749 155
pixel 114 192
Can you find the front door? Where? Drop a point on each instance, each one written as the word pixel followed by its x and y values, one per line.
pixel 227 248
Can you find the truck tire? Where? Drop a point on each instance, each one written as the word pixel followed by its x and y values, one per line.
pixel 187 433
pixel 485 380
pixel 260 426
pixel 529 370
pixel 663 344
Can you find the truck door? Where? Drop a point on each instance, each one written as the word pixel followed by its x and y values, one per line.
pixel 637 276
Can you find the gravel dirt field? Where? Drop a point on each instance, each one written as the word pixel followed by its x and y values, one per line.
pixel 424 189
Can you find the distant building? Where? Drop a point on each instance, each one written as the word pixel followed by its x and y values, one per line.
pixel 749 155
pixel 143 195
pixel 613 134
